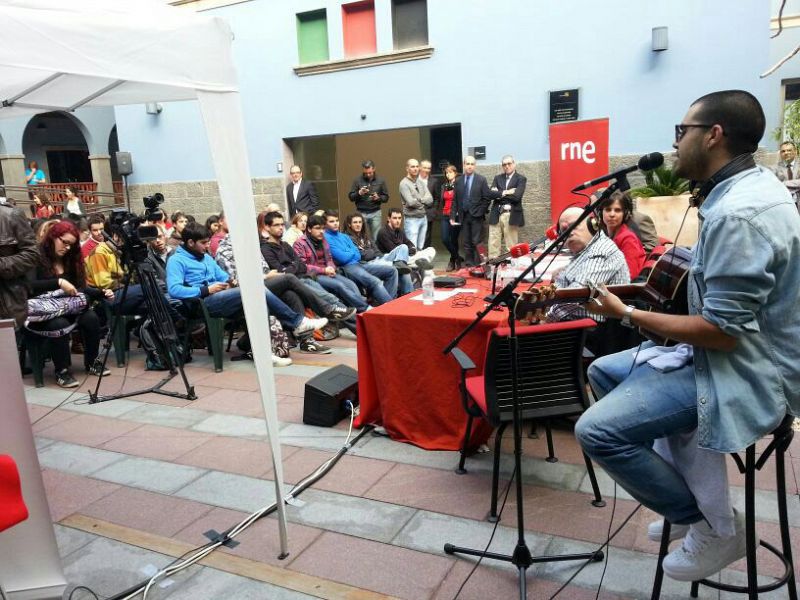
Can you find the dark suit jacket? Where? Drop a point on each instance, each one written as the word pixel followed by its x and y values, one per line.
pixel 307 199
pixel 479 198
pixel 434 187
pixel 518 182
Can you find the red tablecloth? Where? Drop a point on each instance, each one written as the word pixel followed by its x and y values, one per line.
pixel 405 383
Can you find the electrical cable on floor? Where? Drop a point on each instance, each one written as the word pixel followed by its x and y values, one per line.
pixel 491 537
pixel 195 555
pixel 83 587
pixel 64 401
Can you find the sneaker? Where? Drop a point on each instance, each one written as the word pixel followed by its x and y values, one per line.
pixel 312 346
pixel 423 264
pixel 704 553
pixel 97 370
pixel 340 313
pixel 65 379
pixel 279 361
pixel 308 324
pixel 656 528
pixel 402 267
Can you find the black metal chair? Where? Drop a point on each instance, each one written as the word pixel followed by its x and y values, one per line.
pixel 551 384
pixel 781 438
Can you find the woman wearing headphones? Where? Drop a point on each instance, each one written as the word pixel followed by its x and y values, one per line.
pixel 617 225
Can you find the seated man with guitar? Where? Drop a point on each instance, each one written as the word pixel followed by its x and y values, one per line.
pixel 596 260
pixel 735 372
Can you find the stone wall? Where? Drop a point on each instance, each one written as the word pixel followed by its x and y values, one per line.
pixel 201 198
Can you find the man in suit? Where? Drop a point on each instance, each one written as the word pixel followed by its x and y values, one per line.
pixel 301 195
pixel 432 212
pixel 469 209
pixel 788 170
pixel 506 215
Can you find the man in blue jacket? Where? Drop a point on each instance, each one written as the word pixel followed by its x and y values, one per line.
pixel 380 280
pixel 192 273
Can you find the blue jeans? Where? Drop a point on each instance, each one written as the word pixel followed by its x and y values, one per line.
pixel 618 431
pixel 415 228
pixel 367 277
pixel 344 289
pixel 134 303
pixel 228 304
pixel 400 252
pixel 374 221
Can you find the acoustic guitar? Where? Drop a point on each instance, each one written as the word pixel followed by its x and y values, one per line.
pixel 664 291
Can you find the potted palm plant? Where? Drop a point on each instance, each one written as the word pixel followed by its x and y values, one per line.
pixel 665 198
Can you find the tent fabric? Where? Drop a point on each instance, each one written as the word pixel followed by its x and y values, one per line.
pixel 148 49
pixel 58 55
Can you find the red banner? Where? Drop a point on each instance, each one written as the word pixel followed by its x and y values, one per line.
pixel 578 153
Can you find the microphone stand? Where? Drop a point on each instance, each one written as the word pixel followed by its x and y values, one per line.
pixel 521 557
pixel 501 258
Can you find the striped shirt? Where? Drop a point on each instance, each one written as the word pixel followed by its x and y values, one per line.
pixel 600 262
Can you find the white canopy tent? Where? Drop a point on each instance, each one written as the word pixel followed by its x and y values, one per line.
pixel 57 55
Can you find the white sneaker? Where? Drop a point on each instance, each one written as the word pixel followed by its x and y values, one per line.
pixel 704 553
pixel 279 361
pixel 308 324
pixel 656 528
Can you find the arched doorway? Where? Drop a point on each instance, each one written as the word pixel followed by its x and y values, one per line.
pixel 55 141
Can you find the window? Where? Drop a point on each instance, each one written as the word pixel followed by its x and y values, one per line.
pixel 409 23
pixel 358 26
pixel 312 36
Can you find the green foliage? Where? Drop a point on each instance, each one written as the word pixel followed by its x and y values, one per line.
pixel 661 182
pixel 791 124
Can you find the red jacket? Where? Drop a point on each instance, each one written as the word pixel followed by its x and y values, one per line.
pixel 632 248
pixel 306 252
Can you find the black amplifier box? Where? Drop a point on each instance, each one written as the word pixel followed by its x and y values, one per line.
pixel 326 395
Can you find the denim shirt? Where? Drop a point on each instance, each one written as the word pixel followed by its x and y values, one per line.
pixel 745 278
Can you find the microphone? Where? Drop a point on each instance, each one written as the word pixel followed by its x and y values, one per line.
pixel 522 249
pixel 646 163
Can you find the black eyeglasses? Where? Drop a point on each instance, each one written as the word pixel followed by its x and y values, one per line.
pixel 680 129
pixel 507 164
pixel 66 243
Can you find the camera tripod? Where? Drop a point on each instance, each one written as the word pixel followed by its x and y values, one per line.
pixel 166 336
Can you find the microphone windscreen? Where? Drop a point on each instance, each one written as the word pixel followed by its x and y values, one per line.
pixel 651 161
pixel 552 232
pixel 518 250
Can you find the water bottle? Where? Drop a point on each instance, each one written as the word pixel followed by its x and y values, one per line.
pixel 427 288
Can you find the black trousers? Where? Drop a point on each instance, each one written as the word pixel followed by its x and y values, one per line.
pixel 471 233
pixel 296 295
pixel 59 348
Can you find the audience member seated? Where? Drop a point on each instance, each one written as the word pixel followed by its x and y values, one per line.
pixel 61 268
pixel 179 222
pixel 97 226
pixel 617 214
pixel 297 230
pixel 192 273
pixel 392 235
pixel 379 280
pixel 104 272
pixel 314 251
pixel 358 230
pixel 73 206
pixel 212 224
pixel 41 208
pixel 217 237
pixel 595 260
pixel 289 289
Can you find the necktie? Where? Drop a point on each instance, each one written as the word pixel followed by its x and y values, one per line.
pixel 469 185
pixel 789 171
pixel 508 180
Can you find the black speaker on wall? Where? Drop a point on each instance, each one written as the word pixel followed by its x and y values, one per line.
pixel 326 394
pixel 124 163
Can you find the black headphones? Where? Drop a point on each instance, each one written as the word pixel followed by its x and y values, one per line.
pixel 592 222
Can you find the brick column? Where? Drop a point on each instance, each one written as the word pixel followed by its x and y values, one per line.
pixel 13 168
pixel 101 173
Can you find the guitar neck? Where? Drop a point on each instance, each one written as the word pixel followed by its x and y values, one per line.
pixel 628 291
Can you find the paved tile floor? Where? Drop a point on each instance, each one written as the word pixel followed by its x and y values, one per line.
pixel 133 483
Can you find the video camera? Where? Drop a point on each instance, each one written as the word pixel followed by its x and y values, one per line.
pixel 135 235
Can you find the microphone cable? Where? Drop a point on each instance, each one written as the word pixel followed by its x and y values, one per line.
pixel 197 554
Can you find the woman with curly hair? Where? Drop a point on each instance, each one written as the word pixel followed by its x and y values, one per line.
pixel 61 268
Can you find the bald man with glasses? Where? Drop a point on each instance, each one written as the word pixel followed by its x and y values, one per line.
pixel 506 215
pixel 471 203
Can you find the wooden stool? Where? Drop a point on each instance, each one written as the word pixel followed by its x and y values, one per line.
pixel 781 438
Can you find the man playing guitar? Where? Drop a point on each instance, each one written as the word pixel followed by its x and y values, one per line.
pixel 735 371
